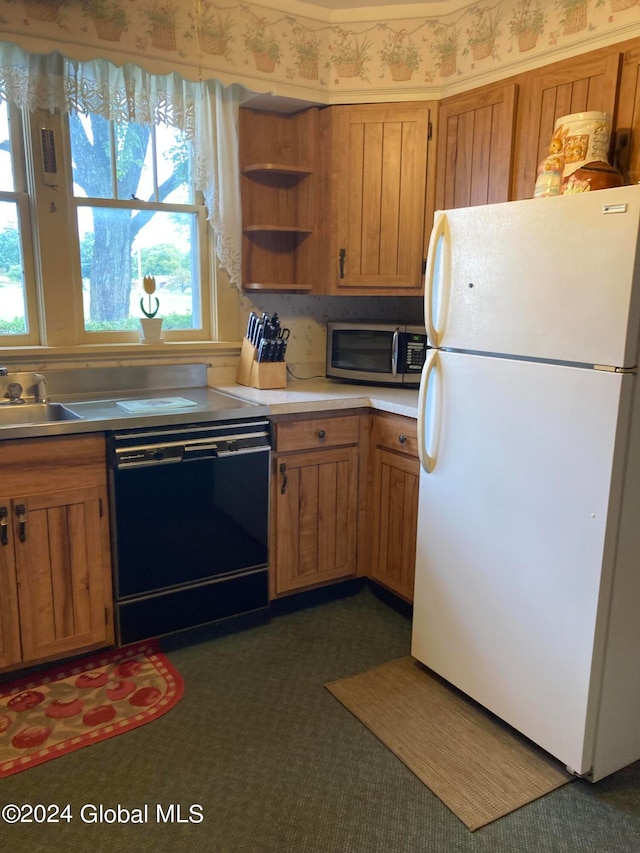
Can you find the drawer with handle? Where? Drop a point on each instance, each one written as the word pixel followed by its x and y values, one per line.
pixel 396 434
pixel 320 432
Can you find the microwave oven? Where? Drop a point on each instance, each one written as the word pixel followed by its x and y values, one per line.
pixel 376 353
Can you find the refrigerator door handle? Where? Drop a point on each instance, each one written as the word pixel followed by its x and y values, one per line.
pixel 426 461
pixel 437 232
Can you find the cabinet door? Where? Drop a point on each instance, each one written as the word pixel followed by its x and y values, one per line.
pixel 315 500
pixel 572 86
pixel 60 549
pixel 394 503
pixel 475 141
pixel 628 121
pixel 379 185
pixel 9 616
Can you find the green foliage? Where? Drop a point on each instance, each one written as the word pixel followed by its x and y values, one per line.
pixel 399 49
pixel 17 326
pixel 132 324
pixel 258 38
pixel 10 255
pixel 165 259
pixel 528 15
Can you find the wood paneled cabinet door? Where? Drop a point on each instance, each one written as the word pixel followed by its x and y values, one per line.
pixel 627 131
pixel 10 650
pixel 577 85
pixel 475 147
pixel 55 568
pixel 314 505
pixel 60 571
pixel 396 476
pixel 378 180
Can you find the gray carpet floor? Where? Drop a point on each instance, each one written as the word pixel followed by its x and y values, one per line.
pixel 277 764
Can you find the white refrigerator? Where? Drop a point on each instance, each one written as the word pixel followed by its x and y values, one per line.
pixel 527 590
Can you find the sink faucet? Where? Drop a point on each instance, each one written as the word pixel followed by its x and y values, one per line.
pixel 41 387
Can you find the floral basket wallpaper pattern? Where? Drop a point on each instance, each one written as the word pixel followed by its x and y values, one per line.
pixel 248 44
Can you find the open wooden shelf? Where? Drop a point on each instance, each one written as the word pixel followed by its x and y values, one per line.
pixel 284 229
pixel 277 169
pixel 278 287
pixel 279 200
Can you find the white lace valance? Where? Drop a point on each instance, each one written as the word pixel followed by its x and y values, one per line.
pixel 206 112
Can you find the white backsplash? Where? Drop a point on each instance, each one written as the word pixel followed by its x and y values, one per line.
pixel 307 317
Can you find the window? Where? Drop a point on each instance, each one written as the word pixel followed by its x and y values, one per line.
pixel 135 214
pixel 18 319
pixel 107 175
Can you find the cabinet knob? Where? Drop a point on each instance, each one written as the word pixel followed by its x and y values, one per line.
pixel 402 438
pixel 321 433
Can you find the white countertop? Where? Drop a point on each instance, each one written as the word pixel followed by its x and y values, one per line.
pixel 315 395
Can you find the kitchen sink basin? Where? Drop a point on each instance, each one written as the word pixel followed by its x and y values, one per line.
pixel 35 413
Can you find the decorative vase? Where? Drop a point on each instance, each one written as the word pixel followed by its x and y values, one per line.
pixel 598 175
pixel 151 330
pixel 585 137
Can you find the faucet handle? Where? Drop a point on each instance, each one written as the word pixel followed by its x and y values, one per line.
pixel 3 371
pixel 14 392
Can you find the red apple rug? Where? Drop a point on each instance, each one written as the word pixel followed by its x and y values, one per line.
pixel 83 702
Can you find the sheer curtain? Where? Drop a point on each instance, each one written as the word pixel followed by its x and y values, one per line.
pixel 206 112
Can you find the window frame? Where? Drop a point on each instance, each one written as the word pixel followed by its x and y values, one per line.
pixel 21 197
pixel 51 247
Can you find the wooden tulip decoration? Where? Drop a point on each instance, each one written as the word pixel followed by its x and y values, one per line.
pixel 149 284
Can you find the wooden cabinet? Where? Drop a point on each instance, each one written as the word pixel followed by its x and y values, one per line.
pixel 585 83
pixel 627 137
pixel 376 167
pixel 314 502
pixel 55 567
pixel 280 194
pixel 394 502
pixel 475 145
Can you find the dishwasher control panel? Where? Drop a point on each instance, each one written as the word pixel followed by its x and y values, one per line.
pixel 171 445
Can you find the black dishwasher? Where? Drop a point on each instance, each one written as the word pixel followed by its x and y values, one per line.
pixel 190 519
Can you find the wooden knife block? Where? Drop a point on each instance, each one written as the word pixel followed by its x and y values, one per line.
pixel 256 374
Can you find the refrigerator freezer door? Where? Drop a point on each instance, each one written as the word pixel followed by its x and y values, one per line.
pixel 515 546
pixel 543 278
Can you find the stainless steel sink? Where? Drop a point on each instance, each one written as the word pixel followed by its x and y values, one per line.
pixel 35 413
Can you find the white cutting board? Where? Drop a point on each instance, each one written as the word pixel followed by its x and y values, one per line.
pixel 155 404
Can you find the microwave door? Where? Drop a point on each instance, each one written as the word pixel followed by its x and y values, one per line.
pixel 365 355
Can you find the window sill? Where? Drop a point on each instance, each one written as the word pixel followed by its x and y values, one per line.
pixel 86 354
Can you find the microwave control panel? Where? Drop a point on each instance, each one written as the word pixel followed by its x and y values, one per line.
pixel 416 353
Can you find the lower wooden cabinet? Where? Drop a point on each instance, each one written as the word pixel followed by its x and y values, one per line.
pixel 394 498
pixel 55 566
pixel 344 501
pixel 314 502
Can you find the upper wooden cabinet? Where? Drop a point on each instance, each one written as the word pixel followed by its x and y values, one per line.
pixel 376 167
pixel 627 138
pixel 280 200
pixel 588 82
pixel 475 144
